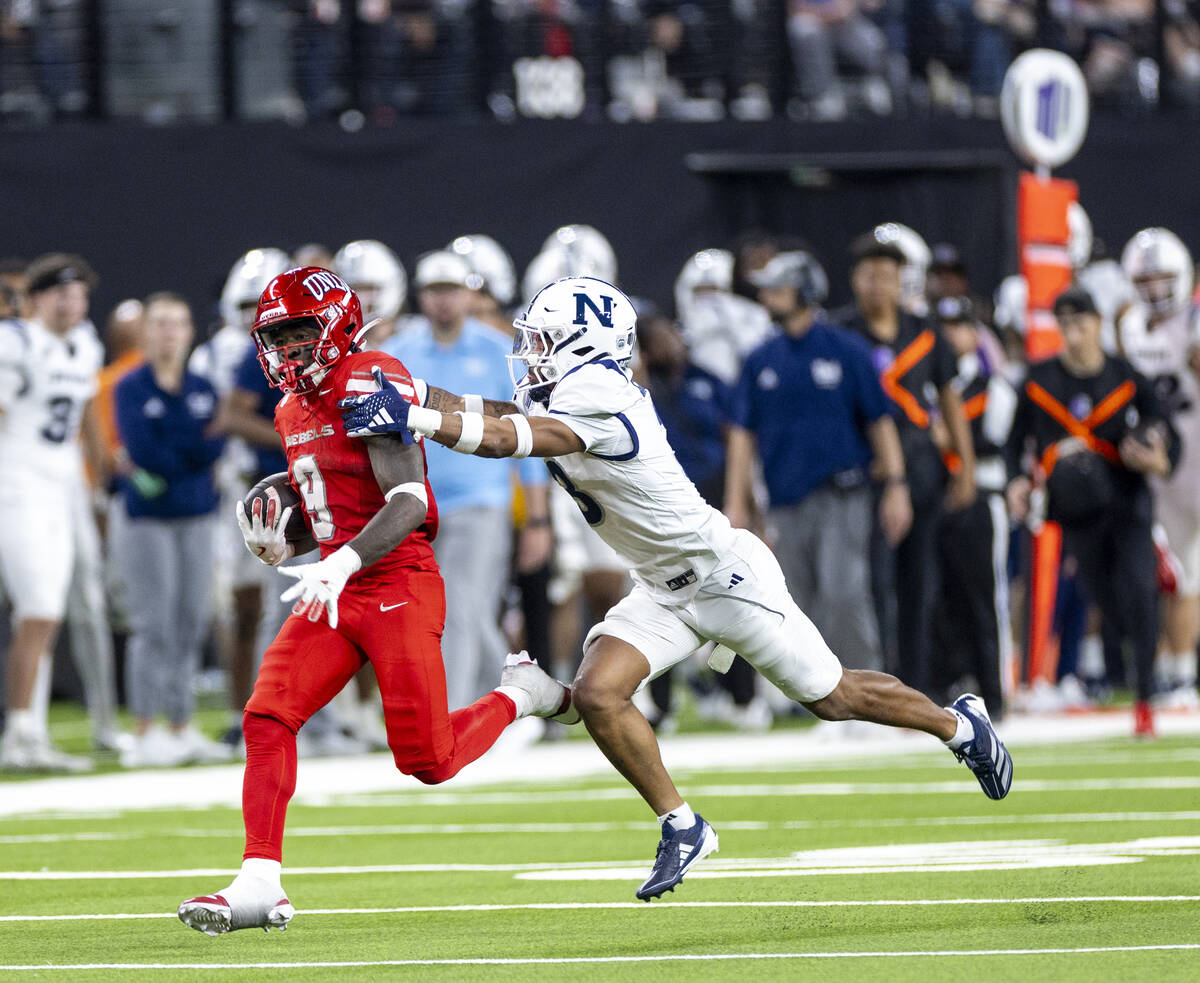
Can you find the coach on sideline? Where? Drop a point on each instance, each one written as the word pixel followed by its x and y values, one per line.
pixel 811 401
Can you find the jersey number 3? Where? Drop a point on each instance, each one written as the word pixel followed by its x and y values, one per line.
pixel 308 479
pixel 590 508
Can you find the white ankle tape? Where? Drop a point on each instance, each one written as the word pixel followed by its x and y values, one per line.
pixel 472 433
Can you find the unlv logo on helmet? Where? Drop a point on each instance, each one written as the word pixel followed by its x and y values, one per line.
pixel 320 282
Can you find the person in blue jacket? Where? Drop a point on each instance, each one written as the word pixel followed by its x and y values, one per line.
pixel 165 550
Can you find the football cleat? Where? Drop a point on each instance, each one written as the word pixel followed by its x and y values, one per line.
pixel 677 851
pixel 549 697
pixel 213 915
pixel 34 752
pixel 984 753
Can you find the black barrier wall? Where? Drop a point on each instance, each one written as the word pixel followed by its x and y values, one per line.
pixel 172 208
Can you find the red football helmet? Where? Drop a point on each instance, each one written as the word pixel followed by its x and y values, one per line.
pixel 312 294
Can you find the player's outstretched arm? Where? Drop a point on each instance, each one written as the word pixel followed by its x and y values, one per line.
pixel 465 431
pixel 446 402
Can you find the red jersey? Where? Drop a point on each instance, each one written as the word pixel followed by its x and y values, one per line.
pixel 332 472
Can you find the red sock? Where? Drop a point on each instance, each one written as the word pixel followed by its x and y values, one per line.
pixel 475 730
pixel 268 784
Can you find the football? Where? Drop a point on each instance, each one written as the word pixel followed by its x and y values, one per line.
pixel 297 527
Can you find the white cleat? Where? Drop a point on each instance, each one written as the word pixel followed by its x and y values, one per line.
pixel 548 697
pixel 213 915
pixel 33 752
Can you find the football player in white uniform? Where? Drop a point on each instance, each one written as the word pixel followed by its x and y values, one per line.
pixel 696 578
pixel 1159 336
pixel 48 369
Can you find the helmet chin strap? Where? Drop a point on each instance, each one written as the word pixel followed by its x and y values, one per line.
pixel 365 330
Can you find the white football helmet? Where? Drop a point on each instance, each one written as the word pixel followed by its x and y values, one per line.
pixel 246 282
pixel 1160 266
pixel 491 267
pixel 586 251
pixel 374 273
pixel 568 323
pixel 917 257
pixel 709 269
pixel 1079 241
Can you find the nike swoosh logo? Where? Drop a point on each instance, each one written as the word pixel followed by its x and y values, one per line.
pixel 390 607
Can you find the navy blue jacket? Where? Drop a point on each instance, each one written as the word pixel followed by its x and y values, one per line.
pixel 250 377
pixel 164 434
pixel 808 402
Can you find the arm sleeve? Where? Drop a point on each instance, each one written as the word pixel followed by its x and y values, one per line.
pixel 1014 447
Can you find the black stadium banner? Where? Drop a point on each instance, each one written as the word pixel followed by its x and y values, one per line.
pixel 173 207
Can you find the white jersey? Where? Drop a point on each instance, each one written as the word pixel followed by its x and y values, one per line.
pixel 217 360
pixel 45 383
pixel 721 330
pixel 1160 353
pixel 628 484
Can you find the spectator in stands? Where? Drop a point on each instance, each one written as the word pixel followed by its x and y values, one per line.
pixel 416 58
pixel 164 414
pixel 916 369
pixel 822 31
pixel 1097 430
pixel 473 546
pixel 1111 40
pixel 320 56
pixel 810 404
pixel 971 634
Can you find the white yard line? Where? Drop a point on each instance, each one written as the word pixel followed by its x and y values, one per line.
pixel 657 906
pixel 503 829
pixel 600 960
pixel 323 781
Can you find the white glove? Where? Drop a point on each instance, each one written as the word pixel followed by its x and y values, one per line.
pixel 319 584
pixel 265 534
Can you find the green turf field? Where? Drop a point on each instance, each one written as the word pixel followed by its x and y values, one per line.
pixel 851 870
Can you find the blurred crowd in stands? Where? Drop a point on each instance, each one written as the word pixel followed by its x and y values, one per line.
pixel 379 60
pixel 773 404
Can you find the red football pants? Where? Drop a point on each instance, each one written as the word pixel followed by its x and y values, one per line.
pixel 398 627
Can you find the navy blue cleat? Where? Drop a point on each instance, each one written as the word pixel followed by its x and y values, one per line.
pixel 984 753
pixel 677 851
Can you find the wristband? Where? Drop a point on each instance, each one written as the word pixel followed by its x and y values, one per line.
pixel 472 403
pixel 472 433
pixel 524 434
pixel 421 388
pixel 414 488
pixel 424 421
pixel 345 560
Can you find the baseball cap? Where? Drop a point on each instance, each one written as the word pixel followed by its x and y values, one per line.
pixel 946 257
pixel 441 267
pixel 1075 300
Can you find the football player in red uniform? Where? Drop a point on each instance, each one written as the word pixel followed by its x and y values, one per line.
pixel 375 593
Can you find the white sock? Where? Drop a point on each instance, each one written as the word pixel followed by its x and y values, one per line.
pixel 1183 668
pixel 681 818
pixel 963 734
pixel 522 699
pixel 257 871
pixel 40 706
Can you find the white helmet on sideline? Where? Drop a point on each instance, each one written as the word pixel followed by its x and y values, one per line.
pixel 568 323
pixel 586 250
pixel 1079 241
pixel 1160 266
pixel 373 272
pixel 492 268
pixel 246 282
pixel 709 269
pixel 917 257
